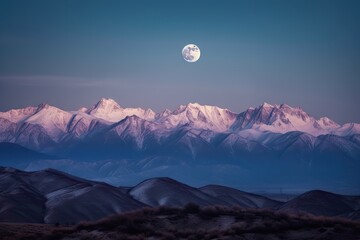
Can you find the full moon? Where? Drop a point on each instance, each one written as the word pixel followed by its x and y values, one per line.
pixel 191 53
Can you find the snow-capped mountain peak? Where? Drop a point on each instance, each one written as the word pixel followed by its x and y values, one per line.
pixel 200 117
pixel 17 115
pixel 326 122
pixel 83 109
pixel 164 113
pixel 53 119
pixel 105 106
pixel 281 119
pixel 42 126
pixel 42 106
pixel 195 105
pixel 111 111
pixel 266 105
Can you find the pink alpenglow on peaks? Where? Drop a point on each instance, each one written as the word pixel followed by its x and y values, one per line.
pixel 39 125
pixel 283 118
pixel 111 111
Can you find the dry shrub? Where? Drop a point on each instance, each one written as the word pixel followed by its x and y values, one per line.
pixel 184 233
pixel 191 208
pixel 215 234
pixel 209 212
pixel 238 228
pixel 25 236
pixel 166 235
pixel 149 223
pixel 163 210
pixel 56 235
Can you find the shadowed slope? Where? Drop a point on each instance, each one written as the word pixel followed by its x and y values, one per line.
pixel 322 203
pixel 50 196
pixel 236 197
pixel 168 192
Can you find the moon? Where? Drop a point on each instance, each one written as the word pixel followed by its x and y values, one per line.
pixel 191 53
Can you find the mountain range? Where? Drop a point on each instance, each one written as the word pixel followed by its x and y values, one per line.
pixel 270 146
pixel 51 196
pixel 31 126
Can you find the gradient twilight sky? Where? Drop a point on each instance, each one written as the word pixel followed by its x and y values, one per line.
pixel 72 53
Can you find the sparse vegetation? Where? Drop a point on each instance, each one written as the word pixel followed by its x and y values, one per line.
pixel 192 222
pixel 191 208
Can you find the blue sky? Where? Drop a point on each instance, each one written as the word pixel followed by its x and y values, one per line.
pixel 72 53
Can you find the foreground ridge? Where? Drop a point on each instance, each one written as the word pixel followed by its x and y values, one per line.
pixel 193 222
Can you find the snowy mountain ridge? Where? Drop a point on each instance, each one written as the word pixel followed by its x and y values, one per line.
pixel 109 110
pixel 273 118
pixel 283 118
pixel 44 127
